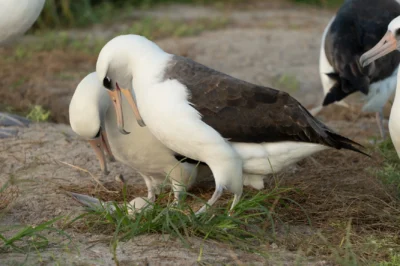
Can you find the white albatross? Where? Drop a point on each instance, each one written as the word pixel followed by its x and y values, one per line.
pixel 90 117
pixel 389 43
pixel 16 17
pixel 356 28
pixel 202 113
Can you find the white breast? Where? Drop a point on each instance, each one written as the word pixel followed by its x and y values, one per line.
pixel 380 92
pixel 139 149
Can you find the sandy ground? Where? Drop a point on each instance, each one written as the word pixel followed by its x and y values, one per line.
pixel 262 45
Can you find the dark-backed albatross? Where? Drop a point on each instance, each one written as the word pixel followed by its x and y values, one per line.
pixel 200 113
pixel 389 43
pixel 356 28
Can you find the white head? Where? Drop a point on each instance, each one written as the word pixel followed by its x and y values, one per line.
pixel 390 42
pixel 88 107
pixel 121 60
pixel 87 111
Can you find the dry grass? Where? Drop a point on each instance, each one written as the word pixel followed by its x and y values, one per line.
pixel 8 193
pixel 334 207
pixel 25 84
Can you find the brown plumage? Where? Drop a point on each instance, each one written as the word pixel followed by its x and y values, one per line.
pixel 244 112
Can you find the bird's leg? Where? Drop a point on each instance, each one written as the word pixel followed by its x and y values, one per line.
pixel 217 194
pixel 236 199
pixel 379 120
pixel 150 188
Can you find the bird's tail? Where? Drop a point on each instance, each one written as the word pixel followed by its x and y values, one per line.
pixel 345 143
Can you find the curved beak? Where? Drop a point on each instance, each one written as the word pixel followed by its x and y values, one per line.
pixel 115 96
pixel 386 45
pixel 128 95
pixel 98 149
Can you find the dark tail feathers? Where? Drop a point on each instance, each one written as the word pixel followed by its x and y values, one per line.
pixel 345 143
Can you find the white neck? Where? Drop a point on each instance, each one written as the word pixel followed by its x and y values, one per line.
pixel 397 93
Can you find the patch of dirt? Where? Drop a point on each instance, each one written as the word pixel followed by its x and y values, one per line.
pixel 262 44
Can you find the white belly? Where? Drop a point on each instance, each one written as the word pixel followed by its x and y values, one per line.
pixel 394 127
pixel 380 92
pixel 260 160
pixel 139 149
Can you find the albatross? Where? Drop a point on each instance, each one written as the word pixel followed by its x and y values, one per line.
pixel 16 17
pixel 91 118
pixel 389 43
pixel 356 28
pixel 203 114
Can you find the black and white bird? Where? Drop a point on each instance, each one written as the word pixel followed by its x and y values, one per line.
pixel 356 28
pixel 389 43
pixel 204 114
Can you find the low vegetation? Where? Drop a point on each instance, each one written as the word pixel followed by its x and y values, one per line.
pixel 390 172
pixel 68 13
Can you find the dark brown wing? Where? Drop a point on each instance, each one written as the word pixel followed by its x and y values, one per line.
pixel 244 112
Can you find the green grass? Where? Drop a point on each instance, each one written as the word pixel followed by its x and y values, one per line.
pixel 149 27
pixel 67 13
pixel 321 3
pixel 251 225
pixel 29 238
pixel 394 260
pixel 390 172
pixel 38 114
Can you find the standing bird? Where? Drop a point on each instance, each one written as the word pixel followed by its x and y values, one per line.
pixel 16 17
pixel 356 28
pixel 91 117
pixel 389 43
pixel 202 113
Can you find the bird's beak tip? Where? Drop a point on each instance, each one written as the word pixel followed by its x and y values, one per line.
pixel 123 131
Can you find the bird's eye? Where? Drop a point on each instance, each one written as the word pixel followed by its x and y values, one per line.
pixel 107 83
pixel 397 32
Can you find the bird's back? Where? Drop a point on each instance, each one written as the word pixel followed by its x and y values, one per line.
pixel 249 113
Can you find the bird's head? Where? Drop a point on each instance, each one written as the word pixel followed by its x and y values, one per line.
pixel 120 61
pixel 390 42
pixel 86 115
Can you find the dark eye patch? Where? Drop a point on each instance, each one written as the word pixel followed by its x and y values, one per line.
pixel 107 83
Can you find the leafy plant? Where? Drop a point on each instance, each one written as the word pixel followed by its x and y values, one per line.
pixel 38 114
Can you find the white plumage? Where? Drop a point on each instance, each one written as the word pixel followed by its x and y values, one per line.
pixel 17 16
pixel 90 113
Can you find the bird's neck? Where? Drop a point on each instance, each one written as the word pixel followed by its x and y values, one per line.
pixel 148 69
pixel 396 101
